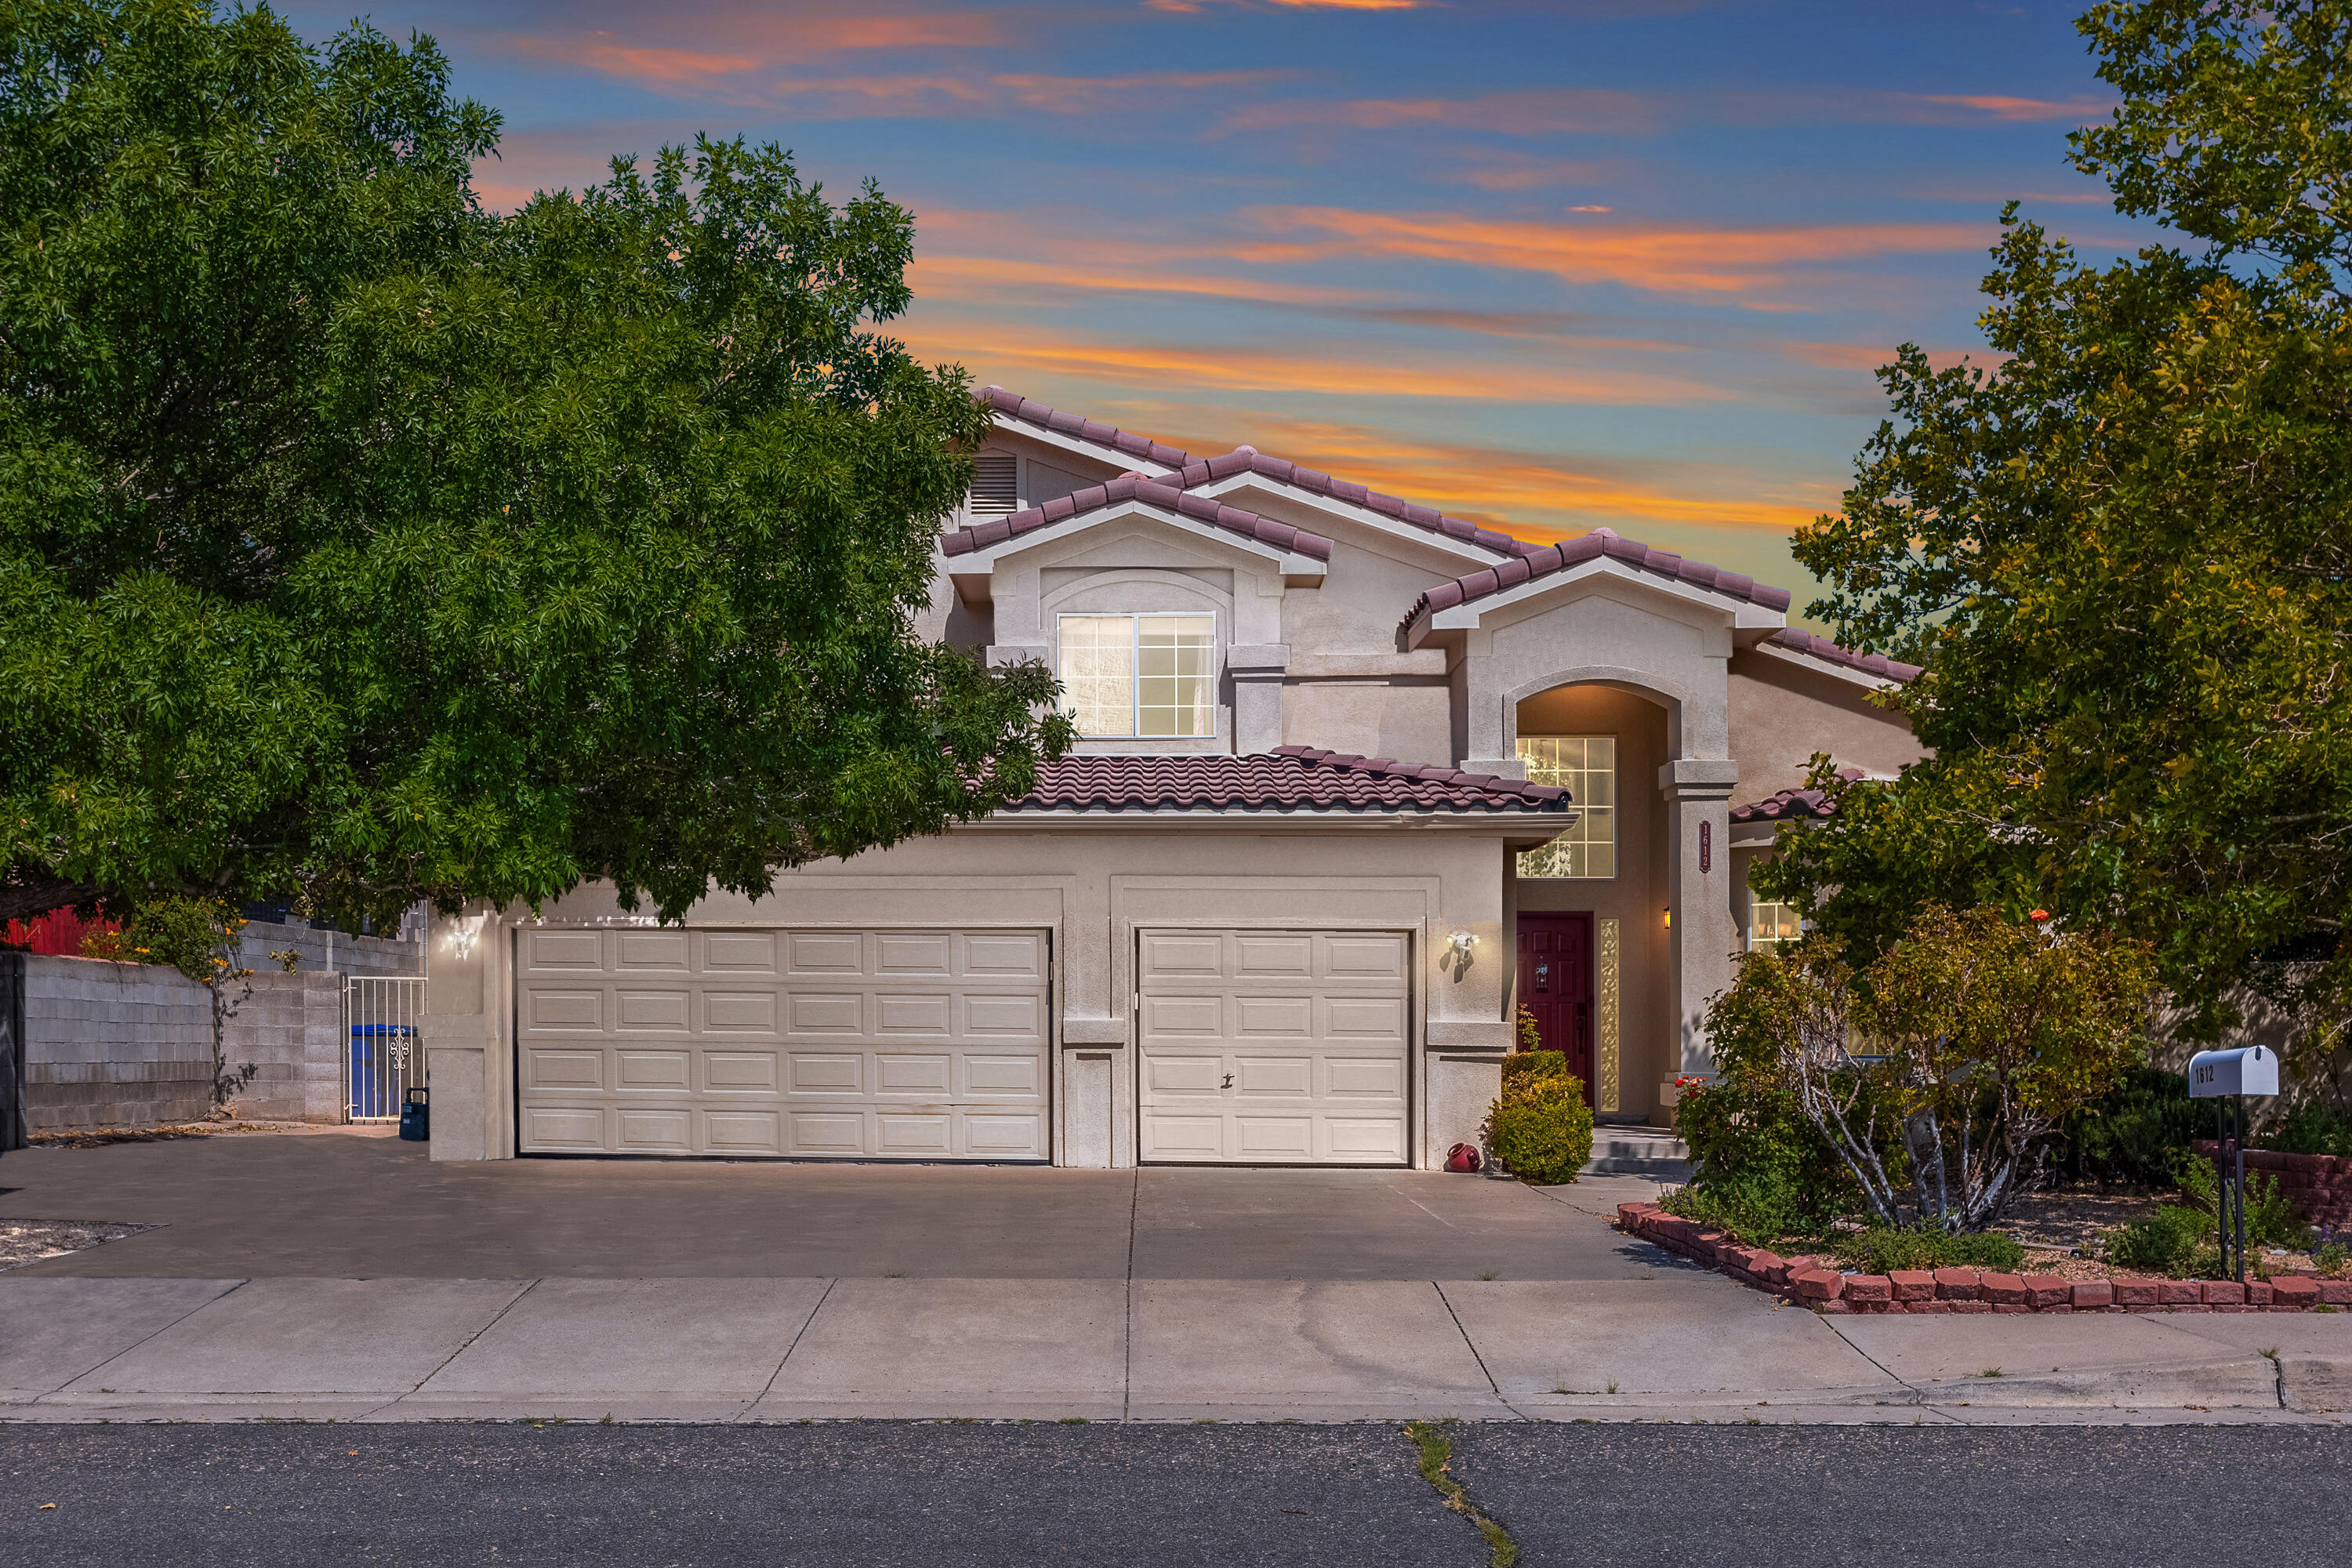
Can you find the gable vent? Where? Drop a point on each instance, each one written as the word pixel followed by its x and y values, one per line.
pixel 995 482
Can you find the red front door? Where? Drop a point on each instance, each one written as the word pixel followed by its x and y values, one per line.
pixel 1556 985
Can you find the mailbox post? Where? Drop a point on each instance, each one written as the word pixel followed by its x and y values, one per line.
pixel 2227 1078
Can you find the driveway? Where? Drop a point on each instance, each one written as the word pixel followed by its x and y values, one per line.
pixel 337 1207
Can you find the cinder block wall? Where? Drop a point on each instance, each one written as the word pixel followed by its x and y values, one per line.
pixel 114 1043
pixel 289 1032
pixel 350 955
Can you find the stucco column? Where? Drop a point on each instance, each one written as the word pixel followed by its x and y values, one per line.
pixel 1698 880
pixel 461 1037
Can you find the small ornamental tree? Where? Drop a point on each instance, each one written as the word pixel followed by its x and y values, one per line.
pixel 1938 1073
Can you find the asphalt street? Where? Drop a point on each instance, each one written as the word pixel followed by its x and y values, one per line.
pixel 964 1496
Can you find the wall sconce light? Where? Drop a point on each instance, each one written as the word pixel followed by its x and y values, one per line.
pixel 1461 942
pixel 464 933
pixel 1670 918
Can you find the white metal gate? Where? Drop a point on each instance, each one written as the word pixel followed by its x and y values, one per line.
pixel 383 1054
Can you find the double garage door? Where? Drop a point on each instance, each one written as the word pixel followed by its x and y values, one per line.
pixel 927 1045
pixel 1256 1048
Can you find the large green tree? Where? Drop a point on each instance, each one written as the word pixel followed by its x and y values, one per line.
pixel 2122 549
pixel 362 545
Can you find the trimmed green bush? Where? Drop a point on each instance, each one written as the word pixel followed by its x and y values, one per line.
pixel 1882 1251
pixel 1541 1063
pixel 2163 1242
pixel 1541 1128
pixel 1760 1205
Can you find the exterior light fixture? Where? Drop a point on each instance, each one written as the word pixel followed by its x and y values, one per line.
pixel 1462 941
pixel 1670 918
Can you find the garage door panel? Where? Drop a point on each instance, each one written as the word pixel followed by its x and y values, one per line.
pixel 1011 956
pixel 1267 956
pixel 563 1129
pixel 1167 1137
pixel 1274 1047
pixel 1023 1017
pixel 920 1014
pixel 740 1132
pixel 738 952
pixel 1364 1019
pixel 896 1073
pixel 912 1135
pixel 552 952
pixel 1269 1017
pixel 655 1131
pixel 927 953
pixel 830 1073
pixel 565 1070
pixel 991 1075
pixel 653 1070
pixel 580 1010
pixel 1290 1077
pixel 644 950
pixel 1373 957
pixel 824 1044
pixel 1004 1137
pixel 1364 1077
pixel 739 1072
pixel 825 1013
pixel 827 953
pixel 1184 1015
pixel 1363 1142
pixel 1168 957
pixel 748 1012
pixel 638 1011
pixel 842 1132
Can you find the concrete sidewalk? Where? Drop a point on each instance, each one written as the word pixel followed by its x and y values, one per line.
pixel 731 1350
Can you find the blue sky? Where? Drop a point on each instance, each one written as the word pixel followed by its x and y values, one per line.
pixel 1555 265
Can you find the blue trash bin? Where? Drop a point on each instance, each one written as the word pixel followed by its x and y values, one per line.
pixel 374 1091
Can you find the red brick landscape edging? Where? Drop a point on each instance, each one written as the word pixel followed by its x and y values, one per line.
pixel 1816 1282
pixel 2318 1185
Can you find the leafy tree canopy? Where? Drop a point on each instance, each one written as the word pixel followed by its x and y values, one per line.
pixel 2122 553
pixel 362 545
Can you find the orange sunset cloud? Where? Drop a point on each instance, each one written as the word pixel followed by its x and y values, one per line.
pixel 1672 261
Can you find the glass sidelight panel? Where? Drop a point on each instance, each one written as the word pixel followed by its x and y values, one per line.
pixel 1586 766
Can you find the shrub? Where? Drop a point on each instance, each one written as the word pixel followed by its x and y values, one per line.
pixel 1938 1073
pixel 1879 1250
pixel 1531 1032
pixel 2162 1242
pixel 2331 1256
pixel 2314 1127
pixel 1542 1064
pixel 1760 1205
pixel 1541 1128
pixel 2270 1214
pixel 2135 1132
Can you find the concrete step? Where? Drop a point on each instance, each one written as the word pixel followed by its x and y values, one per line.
pixel 1652 1151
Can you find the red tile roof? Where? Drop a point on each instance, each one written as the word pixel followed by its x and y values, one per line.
pixel 1193 472
pixel 1828 652
pixel 1249 459
pixel 1791 803
pixel 1289 778
pixel 1150 491
pixel 1554 558
pixel 1014 407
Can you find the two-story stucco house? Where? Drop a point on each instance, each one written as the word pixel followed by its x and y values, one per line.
pixel 1358 781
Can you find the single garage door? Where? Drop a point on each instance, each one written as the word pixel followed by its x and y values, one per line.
pixel 1274 1047
pixel 927 1045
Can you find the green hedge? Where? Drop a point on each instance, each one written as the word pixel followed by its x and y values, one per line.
pixel 1541 1063
pixel 1540 1129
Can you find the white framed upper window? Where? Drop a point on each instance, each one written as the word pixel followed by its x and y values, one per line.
pixel 1585 767
pixel 1142 677
pixel 1770 922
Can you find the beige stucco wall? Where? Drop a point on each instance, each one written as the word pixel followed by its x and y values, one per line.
pixel 1782 713
pixel 1636 896
pixel 1093 887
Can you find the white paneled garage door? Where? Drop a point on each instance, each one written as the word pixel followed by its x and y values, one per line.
pixel 710 1040
pixel 1274 1047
